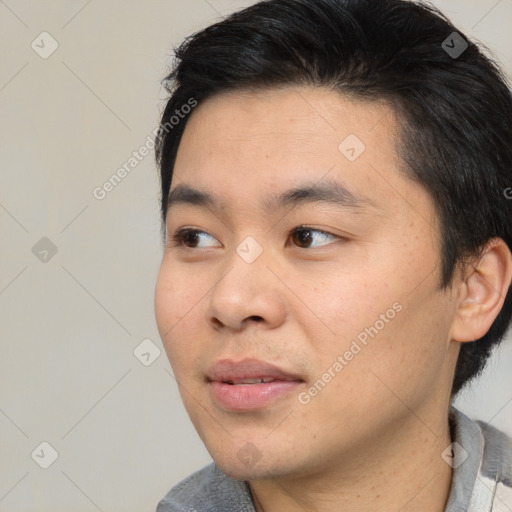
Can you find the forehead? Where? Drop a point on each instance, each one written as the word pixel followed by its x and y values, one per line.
pixel 288 121
pixel 242 145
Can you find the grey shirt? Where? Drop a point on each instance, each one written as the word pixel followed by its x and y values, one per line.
pixel 481 457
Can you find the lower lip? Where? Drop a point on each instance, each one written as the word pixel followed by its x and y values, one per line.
pixel 245 397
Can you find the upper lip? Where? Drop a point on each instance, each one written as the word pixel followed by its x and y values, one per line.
pixel 227 370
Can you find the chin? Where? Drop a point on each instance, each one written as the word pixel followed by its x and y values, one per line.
pixel 240 471
pixel 248 463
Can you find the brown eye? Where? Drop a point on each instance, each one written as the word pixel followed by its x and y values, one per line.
pixel 192 238
pixel 306 238
pixel 302 237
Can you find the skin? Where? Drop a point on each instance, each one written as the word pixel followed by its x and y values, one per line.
pixel 372 438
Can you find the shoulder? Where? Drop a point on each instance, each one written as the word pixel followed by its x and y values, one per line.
pixel 482 478
pixel 496 467
pixel 207 490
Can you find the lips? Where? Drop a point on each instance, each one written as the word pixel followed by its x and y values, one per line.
pixel 235 372
pixel 249 384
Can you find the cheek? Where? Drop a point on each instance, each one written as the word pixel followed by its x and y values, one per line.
pixel 178 307
pixel 177 292
pixel 344 305
pixel 406 359
pixel 379 328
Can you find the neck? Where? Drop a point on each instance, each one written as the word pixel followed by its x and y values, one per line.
pixel 403 470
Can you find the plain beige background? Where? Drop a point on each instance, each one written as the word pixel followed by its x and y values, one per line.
pixel 71 321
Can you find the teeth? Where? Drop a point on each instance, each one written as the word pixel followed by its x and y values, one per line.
pixel 254 381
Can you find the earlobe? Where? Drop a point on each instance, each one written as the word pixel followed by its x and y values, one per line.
pixel 483 291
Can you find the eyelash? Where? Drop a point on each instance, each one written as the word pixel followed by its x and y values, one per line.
pixel 179 236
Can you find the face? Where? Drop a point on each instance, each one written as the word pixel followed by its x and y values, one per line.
pixel 298 297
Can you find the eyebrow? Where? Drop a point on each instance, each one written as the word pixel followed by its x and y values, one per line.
pixel 331 192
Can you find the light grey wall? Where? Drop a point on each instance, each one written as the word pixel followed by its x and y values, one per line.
pixel 70 321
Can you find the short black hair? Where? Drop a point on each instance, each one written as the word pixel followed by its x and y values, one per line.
pixel 453 103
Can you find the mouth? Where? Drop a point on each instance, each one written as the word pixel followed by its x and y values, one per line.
pixel 249 384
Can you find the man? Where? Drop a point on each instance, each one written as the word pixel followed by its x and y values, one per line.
pixel 337 258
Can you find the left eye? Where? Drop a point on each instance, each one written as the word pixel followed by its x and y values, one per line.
pixel 305 237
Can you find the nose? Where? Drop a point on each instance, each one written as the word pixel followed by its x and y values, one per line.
pixel 246 293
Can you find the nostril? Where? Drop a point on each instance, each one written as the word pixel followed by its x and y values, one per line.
pixel 216 322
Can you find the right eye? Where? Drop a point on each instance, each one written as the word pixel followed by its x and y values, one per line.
pixel 192 238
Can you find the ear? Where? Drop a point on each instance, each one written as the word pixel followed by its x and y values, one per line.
pixel 482 291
